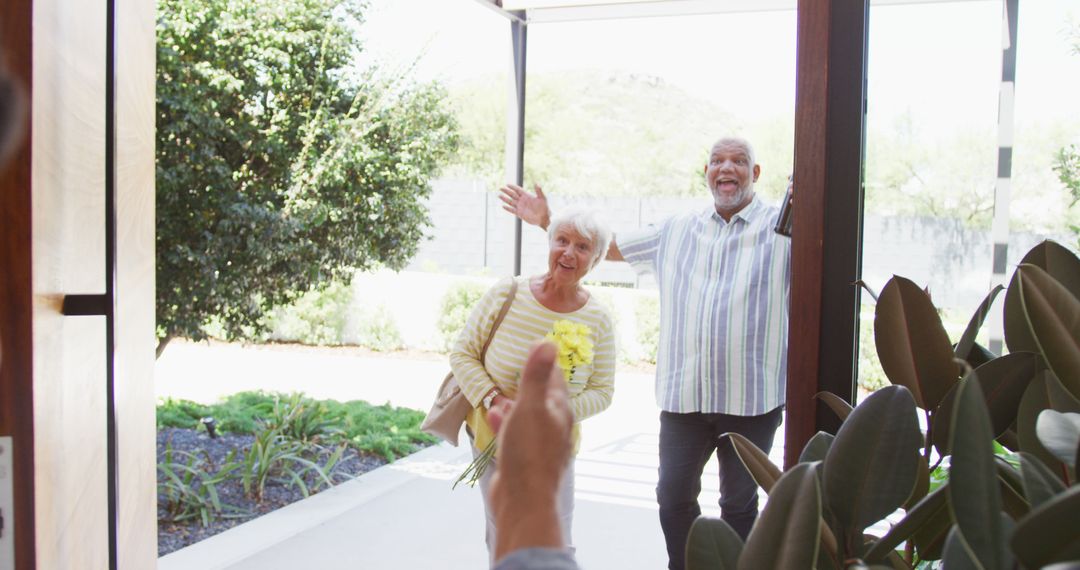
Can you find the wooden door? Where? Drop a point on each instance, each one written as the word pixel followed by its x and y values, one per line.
pixel 53 372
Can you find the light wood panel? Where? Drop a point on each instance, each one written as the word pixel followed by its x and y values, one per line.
pixel 69 257
pixel 135 344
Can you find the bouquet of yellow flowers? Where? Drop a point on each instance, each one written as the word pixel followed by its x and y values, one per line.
pixel 574 347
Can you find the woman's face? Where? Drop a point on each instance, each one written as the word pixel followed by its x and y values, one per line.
pixel 571 255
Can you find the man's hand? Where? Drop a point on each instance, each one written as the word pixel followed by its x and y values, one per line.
pixel 534 448
pixel 532 209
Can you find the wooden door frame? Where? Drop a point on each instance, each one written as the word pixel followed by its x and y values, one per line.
pixel 826 255
pixel 16 290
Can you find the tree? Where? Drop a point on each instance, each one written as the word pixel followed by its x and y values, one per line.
pixel 591 133
pixel 1067 166
pixel 1067 161
pixel 279 165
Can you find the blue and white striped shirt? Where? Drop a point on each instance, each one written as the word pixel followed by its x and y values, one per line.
pixel 724 289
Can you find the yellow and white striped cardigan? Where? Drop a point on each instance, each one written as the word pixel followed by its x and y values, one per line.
pixel 526 323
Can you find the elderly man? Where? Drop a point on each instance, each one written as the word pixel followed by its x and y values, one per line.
pixel 724 280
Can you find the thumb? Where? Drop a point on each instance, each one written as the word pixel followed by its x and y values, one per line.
pixel 539 191
pixel 535 378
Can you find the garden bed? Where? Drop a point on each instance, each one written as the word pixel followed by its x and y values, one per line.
pixel 207 485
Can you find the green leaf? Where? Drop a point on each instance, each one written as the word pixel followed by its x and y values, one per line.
pixel 960 554
pixel 1060 399
pixel 975 497
pixel 1040 484
pixel 764 472
pixel 932 510
pixel 835 403
pixel 1076 460
pixel 1003 382
pixel 1050 533
pixel 922 484
pixel 872 465
pixel 712 545
pixel 967 341
pixel 787 534
pixel 978 355
pixel 1060 434
pixel 860 565
pixel 1052 313
pixel 1013 502
pixel 930 539
pixel 1063 266
pixel 957 556
pixel 1008 439
pixel 817 447
pixel 912 345
pixel 1037 398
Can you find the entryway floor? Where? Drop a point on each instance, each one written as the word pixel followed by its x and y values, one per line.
pixel 405 515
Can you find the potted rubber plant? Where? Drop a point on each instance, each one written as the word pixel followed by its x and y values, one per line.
pixel 1001 438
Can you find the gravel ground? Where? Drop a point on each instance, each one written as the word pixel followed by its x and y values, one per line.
pixel 176 535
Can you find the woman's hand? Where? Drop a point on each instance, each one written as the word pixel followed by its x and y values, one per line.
pixel 532 209
pixel 501 406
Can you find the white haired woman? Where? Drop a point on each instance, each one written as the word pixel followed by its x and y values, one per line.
pixel 553 305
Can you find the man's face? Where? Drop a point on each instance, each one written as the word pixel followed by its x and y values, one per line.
pixel 730 176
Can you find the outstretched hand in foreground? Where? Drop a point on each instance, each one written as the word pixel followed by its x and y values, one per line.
pixel 534 448
pixel 531 208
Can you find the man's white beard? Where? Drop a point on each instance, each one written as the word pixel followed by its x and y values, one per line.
pixel 729 201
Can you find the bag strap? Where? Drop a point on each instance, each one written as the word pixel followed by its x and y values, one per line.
pixel 502 314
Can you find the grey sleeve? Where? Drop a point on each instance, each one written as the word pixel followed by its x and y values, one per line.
pixel 538 559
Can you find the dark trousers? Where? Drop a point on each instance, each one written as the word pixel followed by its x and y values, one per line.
pixel 686 442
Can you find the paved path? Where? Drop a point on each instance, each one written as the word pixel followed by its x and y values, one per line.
pixel 404 515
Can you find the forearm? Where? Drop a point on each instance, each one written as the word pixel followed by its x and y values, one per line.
pixel 613 253
pixel 599 389
pixel 591 401
pixel 474 381
pixel 527 519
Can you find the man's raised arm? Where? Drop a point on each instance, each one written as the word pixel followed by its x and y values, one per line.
pixel 533 209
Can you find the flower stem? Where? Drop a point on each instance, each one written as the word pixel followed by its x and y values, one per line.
pixel 478 467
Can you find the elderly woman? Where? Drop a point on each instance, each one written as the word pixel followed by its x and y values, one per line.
pixel 552 302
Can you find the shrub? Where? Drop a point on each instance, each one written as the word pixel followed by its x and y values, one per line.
pixel 240 412
pixel 316 318
pixel 647 313
pixel 188 487
pixel 377 330
pixel 871 375
pixel 276 457
pixel 303 419
pixel 180 414
pixel 457 303
pixel 236 413
pixel 382 430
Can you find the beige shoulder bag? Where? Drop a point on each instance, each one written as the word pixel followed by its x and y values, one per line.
pixel 451 406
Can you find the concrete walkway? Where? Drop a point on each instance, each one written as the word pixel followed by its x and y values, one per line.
pixel 404 515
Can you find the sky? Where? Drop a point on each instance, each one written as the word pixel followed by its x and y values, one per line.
pixel 938 62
